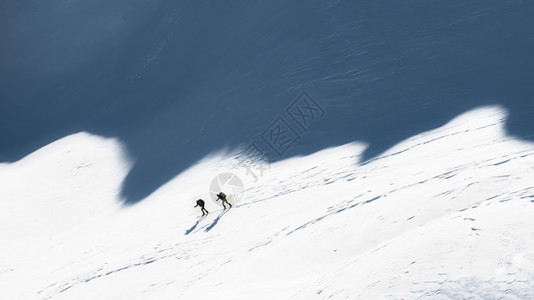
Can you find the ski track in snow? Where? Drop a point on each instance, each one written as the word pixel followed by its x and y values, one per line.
pixel 445 214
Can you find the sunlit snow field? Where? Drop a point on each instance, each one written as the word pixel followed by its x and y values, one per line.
pixel 447 213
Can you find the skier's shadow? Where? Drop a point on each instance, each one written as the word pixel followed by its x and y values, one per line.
pixel 188 231
pixel 216 220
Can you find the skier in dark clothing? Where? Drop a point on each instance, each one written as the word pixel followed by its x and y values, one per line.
pixel 222 197
pixel 201 203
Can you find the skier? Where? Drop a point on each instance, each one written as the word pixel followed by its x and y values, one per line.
pixel 222 196
pixel 201 203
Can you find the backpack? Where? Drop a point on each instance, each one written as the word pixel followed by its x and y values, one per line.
pixel 221 195
pixel 200 202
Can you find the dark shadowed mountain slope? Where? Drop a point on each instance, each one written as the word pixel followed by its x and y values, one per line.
pixel 177 81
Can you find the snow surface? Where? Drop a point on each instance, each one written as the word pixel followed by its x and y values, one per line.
pixel 176 80
pixel 444 214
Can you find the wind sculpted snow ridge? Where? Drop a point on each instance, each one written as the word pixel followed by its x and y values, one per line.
pixel 446 214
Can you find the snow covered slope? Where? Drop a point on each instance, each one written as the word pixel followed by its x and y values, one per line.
pixel 444 214
pixel 174 80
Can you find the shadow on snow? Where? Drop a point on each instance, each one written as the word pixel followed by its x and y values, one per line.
pixel 178 80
